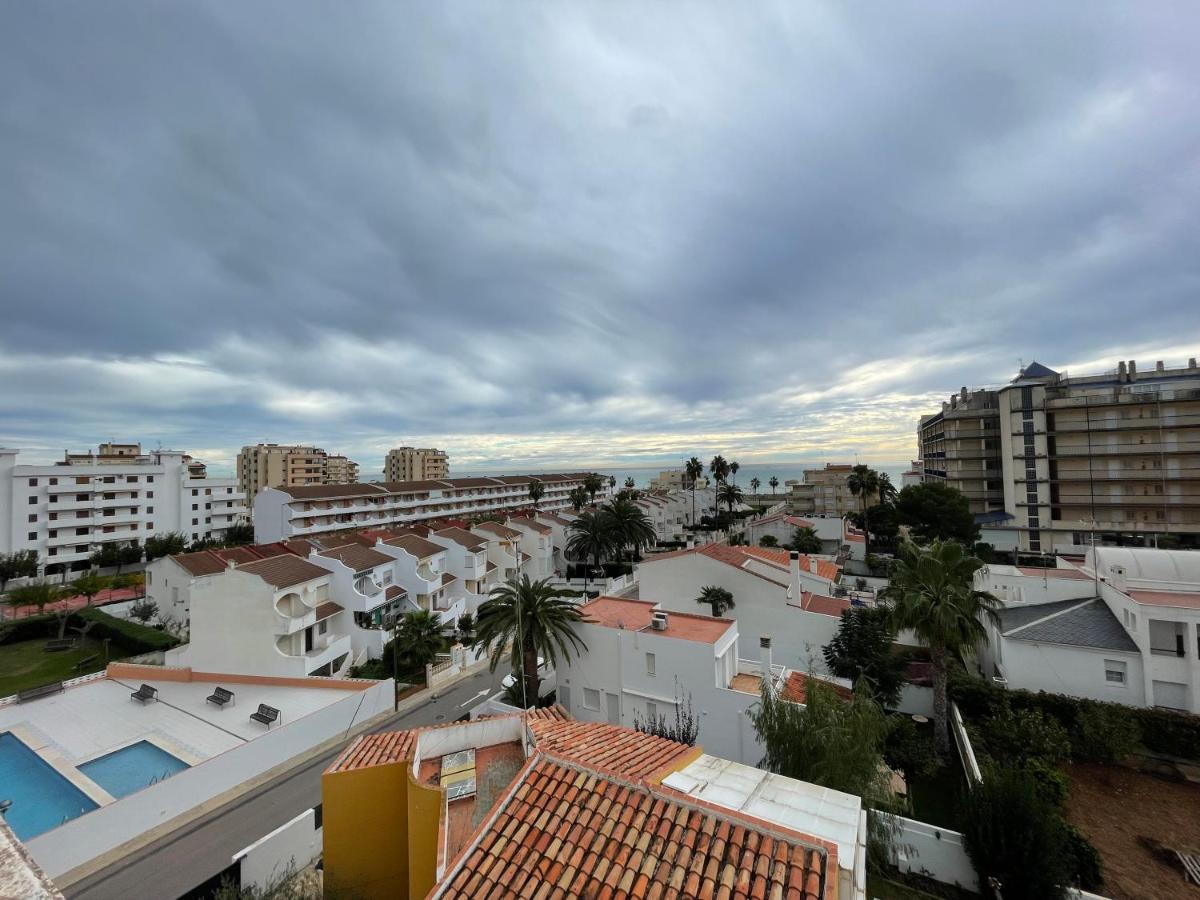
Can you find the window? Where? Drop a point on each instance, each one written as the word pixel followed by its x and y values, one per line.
pixel 149 479
pixel 82 479
pixel 149 526
pixel 53 533
pixel 110 479
pixel 149 509
pixel 33 501
pixel 33 535
pixel 649 663
pixel 83 514
pixel 109 529
pixel 322 626
pixel 195 507
pixel 1114 671
pixel 33 482
pixel 131 478
pixel 54 481
pixel 33 517
pixel 195 493
pixel 81 498
pixel 195 522
pixel 79 532
pixel 53 551
pixel 149 495
pixel 591 698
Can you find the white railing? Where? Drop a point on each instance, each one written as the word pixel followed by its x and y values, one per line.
pixel 965 751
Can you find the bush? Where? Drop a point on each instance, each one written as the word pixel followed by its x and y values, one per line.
pixel 1019 736
pixel 1177 734
pixel 909 750
pixel 1102 734
pixel 30 628
pixel 1052 783
pixel 129 636
pixel 1087 866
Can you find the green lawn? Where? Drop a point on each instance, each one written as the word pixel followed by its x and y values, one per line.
pixel 26 664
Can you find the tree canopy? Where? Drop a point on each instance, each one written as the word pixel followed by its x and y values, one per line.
pixel 937 512
pixel 862 648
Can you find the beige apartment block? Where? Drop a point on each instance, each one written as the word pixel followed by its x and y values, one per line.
pixel 279 465
pixel 340 470
pixel 824 492
pixel 1117 454
pixel 416 464
pixel 960 446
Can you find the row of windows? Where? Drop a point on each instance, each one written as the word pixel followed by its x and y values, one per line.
pixel 102 479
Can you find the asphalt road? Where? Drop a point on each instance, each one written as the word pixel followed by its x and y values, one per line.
pixel 189 856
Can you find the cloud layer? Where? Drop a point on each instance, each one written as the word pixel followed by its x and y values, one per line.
pixel 546 234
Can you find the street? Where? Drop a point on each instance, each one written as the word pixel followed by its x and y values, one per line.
pixel 190 855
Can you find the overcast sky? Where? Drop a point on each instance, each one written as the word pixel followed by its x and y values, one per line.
pixel 548 234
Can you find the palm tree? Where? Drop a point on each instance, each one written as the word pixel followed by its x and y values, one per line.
pixel 694 469
pixel 864 483
pixel 774 483
pixel 590 535
pixel 755 484
pixel 628 524
pixel 593 483
pixel 537 490
pixel 805 540
pixel 932 591
pixel 612 482
pixel 733 470
pixel 630 484
pixel 530 619
pixel 578 498
pixel 887 490
pixel 719 598
pixel 729 494
pixel 720 471
pixel 418 639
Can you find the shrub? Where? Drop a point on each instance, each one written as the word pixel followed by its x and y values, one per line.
pixel 1052 783
pixel 909 750
pixel 1026 734
pixel 1103 734
pixel 129 636
pixel 1177 734
pixel 1087 866
pixel 1016 837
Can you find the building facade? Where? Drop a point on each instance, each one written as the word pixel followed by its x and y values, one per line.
pixel 824 492
pixel 290 465
pixel 416 464
pixel 960 446
pixel 340 470
pixel 675 480
pixel 68 510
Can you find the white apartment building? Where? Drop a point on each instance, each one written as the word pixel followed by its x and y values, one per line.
pixel 66 511
pixel 503 549
pixel 669 512
pixel 785 595
pixel 1123 627
pixel 416 464
pixel 537 546
pixel 676 480
pixel 825 492
pixel 285 512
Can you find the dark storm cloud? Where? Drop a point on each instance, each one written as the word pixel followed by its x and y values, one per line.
pixel 579 232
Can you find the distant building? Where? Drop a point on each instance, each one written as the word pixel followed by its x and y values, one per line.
pixel 66 511
pixel 340 470
pixel 274 465
pixel 824 492
pixel 960 446
pixel 675 480
pixel 416 464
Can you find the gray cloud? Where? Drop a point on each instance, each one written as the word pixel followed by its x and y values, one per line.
pixel 594 233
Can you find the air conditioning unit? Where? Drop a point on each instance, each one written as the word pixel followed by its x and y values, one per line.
pixel 658 621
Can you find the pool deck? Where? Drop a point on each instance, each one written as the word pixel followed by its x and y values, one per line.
pixel 98 716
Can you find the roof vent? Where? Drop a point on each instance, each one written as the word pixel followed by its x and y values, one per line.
pixel 658 621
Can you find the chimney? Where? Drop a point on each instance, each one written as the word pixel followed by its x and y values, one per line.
pixel 1132 369
pixel 230 566
pixel 1191 362
pixel 1158 366
pixel 764 644
pixel 1121 372
pixel 794 565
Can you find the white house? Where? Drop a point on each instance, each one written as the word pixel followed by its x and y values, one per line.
pixel 169 579
pixel 503 550
pixel 421 569
pixel 466 560
pixel 787 597
pixel 1124 626
pixel 560 534
pixel 363 583
pixel 831 530
pixel 537 543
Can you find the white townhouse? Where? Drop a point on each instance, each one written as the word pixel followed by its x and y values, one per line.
pixel 466 560
pixel 643 661
pixel 503 550
pixel 272 616
pixel 560 534
pixel 421 570
pixel 1124 626
pixel 170 579
pixel 283 512
pixel 363 583
pixel 537 545
pixel 66 511
pixel 786 596
pixel 831 530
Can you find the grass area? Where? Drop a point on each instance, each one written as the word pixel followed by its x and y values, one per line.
pixel 895 885
pixel 936 799
pixel 25 664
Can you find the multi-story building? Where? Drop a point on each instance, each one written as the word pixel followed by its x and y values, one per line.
pixel 340 470
pixel 275 465
pixel 283 512
pixel 416 464
pixel 675 480
pixel 824 492
pixel 66 511
pixel 960 446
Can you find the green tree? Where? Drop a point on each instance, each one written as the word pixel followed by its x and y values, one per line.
pixel 864 484
pixel 89 586
pixel 804 540
pixel 537 490
pixel 719 598
pixel 527 619
pixel 593 484
pixel 239 533
pixel 1016 837
pixel 887 490
pixel 628 525
pixel 733 470
pixel 729 494
pixel 755 484
pixel 590 535
pixel 143 611
pixel 937 512
pixel 932 592
pixel 578 498
pixel 718 467
pixel 774 483
pixel 39 594
pixel 21 564
pixel 768 540
pixel 417 642
pixel 694 469
pixel 630 484
pixel 862 648
pixel 168 544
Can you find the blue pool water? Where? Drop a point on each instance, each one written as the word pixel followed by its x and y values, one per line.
pixel 41 798
pixel 132 768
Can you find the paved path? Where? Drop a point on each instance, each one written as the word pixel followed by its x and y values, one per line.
pixel 78 601
pixel 189 856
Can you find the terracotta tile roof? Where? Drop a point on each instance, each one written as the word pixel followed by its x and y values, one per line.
pixel 301 547
pixel 796 688
pixel 1182 599
pixel 610 748
pixel 331 491
pixel 203 562
pixel 635 615
pixel 819 603
pixel 822 568
pixel 502 530
pixel 414 487
pixel 375 750
pixel 210 562
pixel 358 557
pixel 463 538
pixel 563 831
pixel 327 609
pixel 491 566
pixel 417 546
pixel 284 571
pixel 530 522
pixel 799 523
pixel 447 578
pixel 393 591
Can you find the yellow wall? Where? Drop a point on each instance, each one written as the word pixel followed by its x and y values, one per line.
pixel 365 814
pixel 424 828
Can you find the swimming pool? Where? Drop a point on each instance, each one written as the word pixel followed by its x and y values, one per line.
pixel 41 798
pixel 132 768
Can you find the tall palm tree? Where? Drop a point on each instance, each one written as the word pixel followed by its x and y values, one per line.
pixel 755 484
pixel 593 483
pixel 612 482
pixel 932 591
pixel 719 598
pixel 578 498
pixel 530 619
pixel 418 639
pixel 864 484
pixel 774 483
pixel 537 490
pixel 628 524
pixel 590 536
pixel 719 468
pixel 729 494
pixel 733 470
pixel 694 469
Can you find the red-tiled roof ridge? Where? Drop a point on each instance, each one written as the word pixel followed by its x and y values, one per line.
pixel 377 749
pixel 613 749
pixel 533 523
pixel 357 557
pixel 796 688
pixel 284 571
pixel 463 538
pixel 417 546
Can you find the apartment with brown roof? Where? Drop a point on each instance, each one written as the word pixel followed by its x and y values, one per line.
pixel 824 492
pixel 416 464
pixel 262 466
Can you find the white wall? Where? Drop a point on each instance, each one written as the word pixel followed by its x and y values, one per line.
pixel 104 829
pixel 936 852
pixel 288 849
pixel 1075 671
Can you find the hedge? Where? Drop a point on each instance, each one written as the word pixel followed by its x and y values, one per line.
pixel 130 637
pixel 1176 734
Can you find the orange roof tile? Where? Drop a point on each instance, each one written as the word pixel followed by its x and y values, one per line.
pixel 796 688
pixel 417 546
pixel 284 571
pixel 1182 599
pixel 635 615
pixel 610 748
pixel 819 603
pixel 375 750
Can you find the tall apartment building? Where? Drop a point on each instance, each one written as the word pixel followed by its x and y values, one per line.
pixel 65 511
pixel 340 470
pixel 960 446
pixel 416 464
pixel 290 465
pixel 824 492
